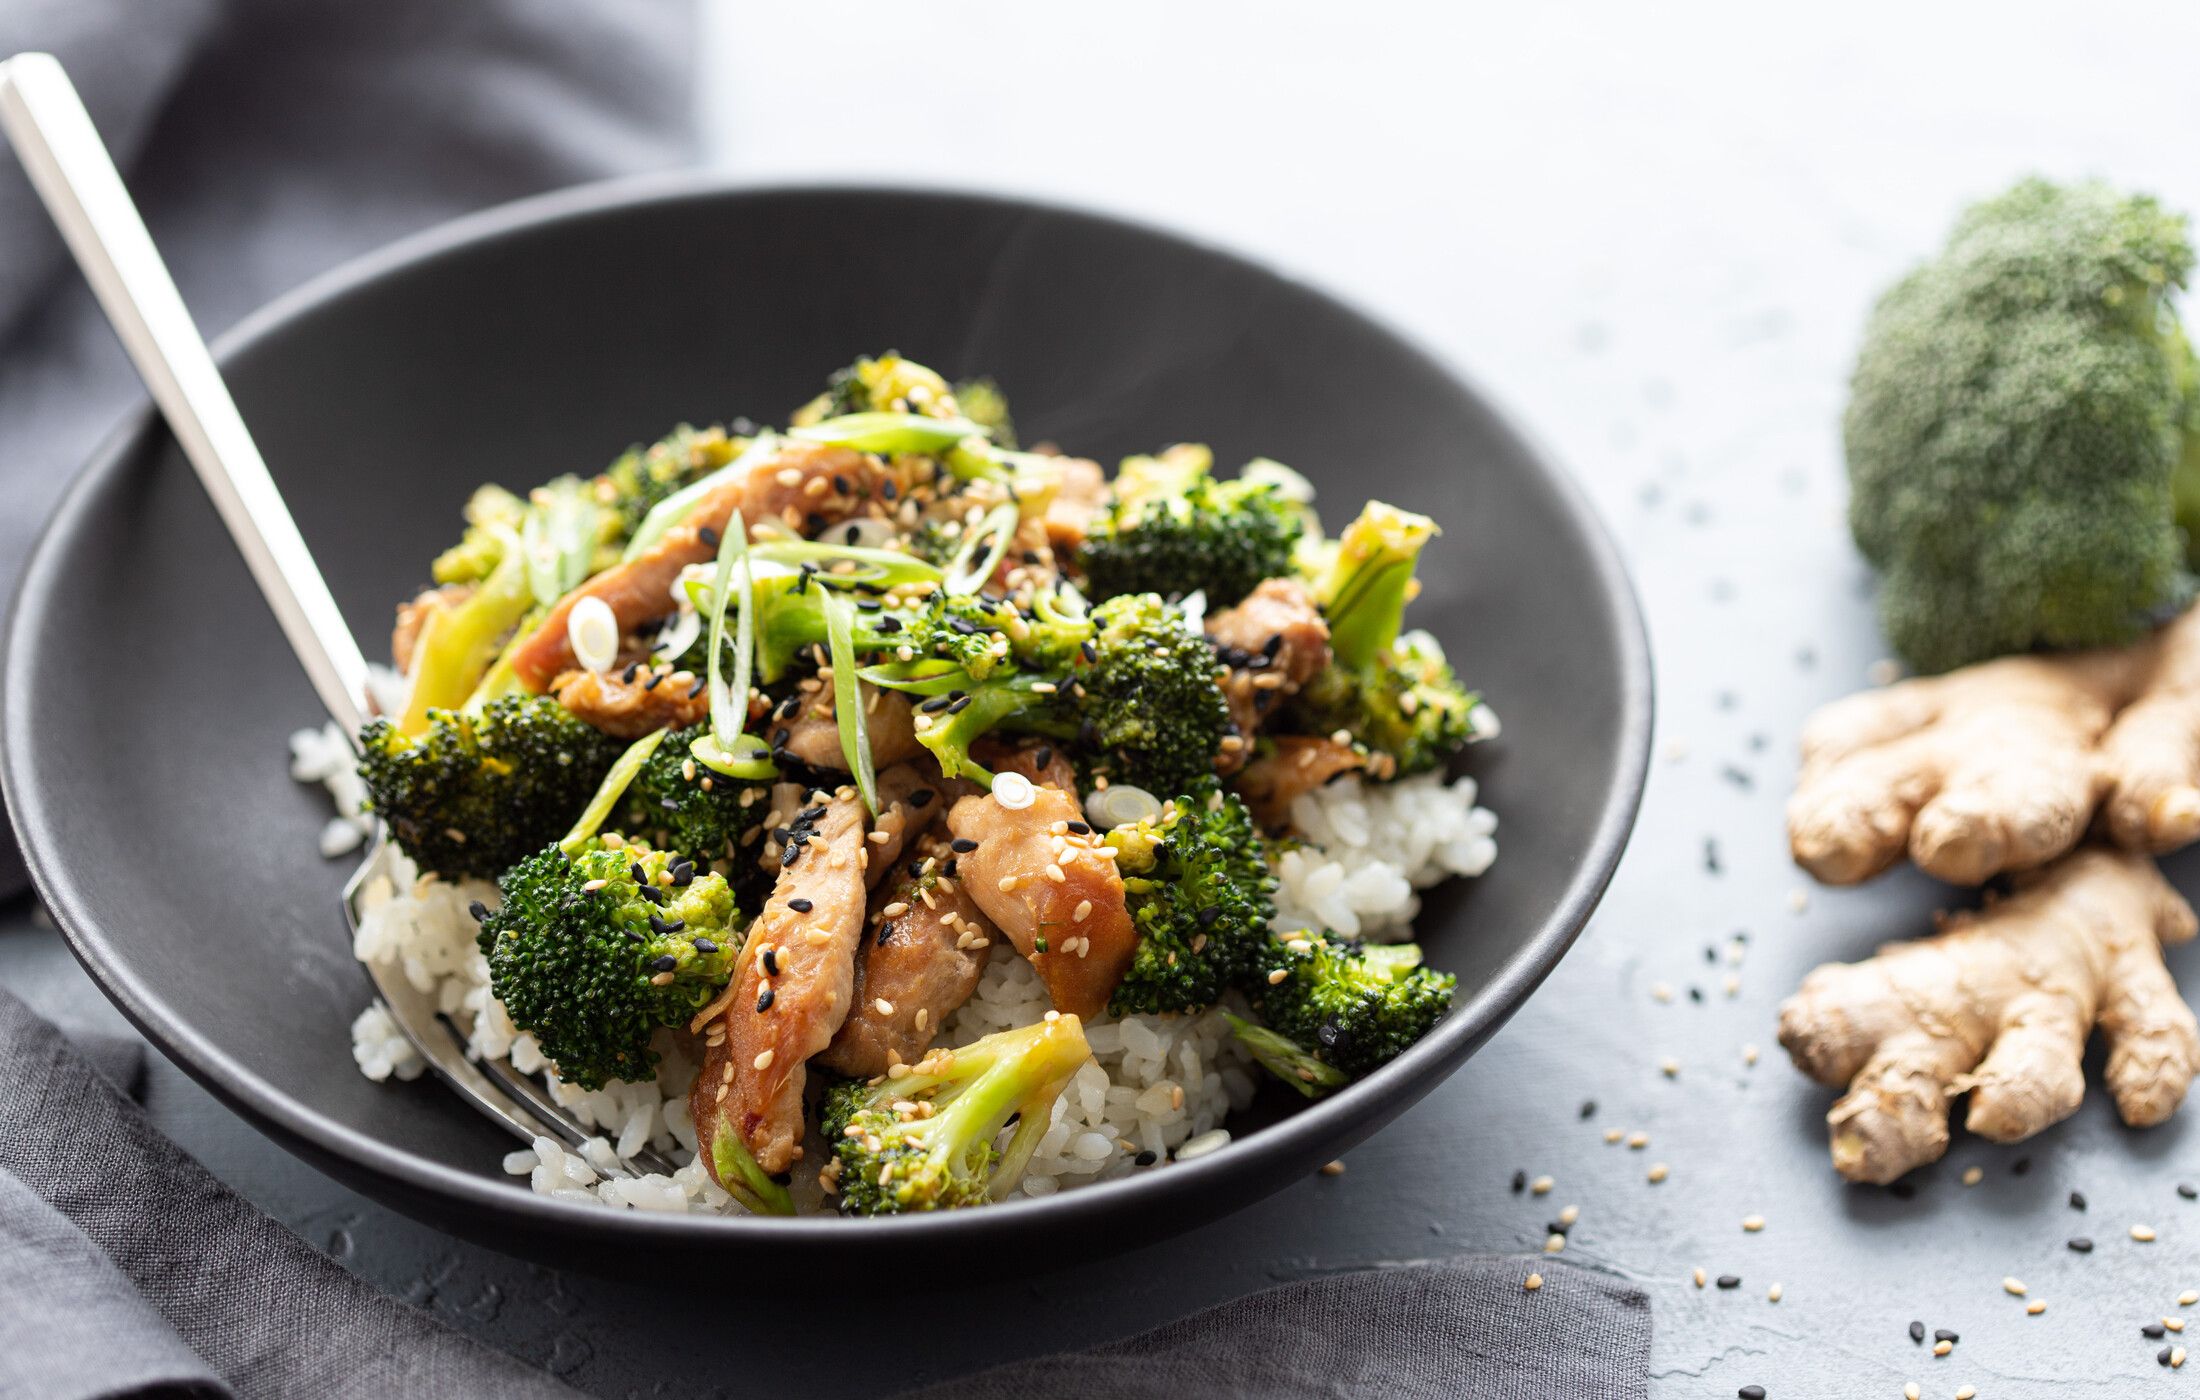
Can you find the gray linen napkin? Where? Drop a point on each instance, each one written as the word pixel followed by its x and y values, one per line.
pixel 1440 1330
pixel 268 140
pixel 124 1262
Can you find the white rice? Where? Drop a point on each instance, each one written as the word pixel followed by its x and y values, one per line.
pixel 1156 1087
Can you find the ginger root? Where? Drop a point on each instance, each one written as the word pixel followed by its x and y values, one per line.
pixel 1998 1005
pixel 2003 766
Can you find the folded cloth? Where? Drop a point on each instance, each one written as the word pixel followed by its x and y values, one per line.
pixel 124 1265
pixel 1441 1330
pixel 267 140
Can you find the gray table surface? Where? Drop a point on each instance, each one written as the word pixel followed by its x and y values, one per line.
pixel 1652 235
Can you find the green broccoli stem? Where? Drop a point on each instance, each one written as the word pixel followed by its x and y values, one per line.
pixel 1365 594
pixel 984 707
pixel 1283 1058
pixel 737 1171
pixel 457 646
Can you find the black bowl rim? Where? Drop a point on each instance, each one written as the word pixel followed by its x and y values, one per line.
pixel 1337 1118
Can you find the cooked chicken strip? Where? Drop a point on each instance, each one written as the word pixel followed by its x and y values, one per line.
pixel 641 588
pixel 628 709
pixel 812 733
pixel 790 989
pixel 1052 890
pixel 1076 501
pixel 928 944
pixel 1273 642
pixel 1299 763
pixel 910 798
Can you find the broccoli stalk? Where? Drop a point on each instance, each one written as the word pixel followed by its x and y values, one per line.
pixel 1283 1058
pixel 1198 889
pixel 1352 1006
pixel 475 793
pixel 1394 692
pixel 1172 528
pixel 2022 433
pixel 937 1150
pixel 458 645
pixel 592 952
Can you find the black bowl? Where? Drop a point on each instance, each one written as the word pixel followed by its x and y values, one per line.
pixel 148 693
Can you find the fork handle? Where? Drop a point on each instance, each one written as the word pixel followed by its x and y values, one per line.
pixel 69 166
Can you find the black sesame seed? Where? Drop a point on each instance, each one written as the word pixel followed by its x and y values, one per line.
pixel 963 843
pixel 641 876
pixel 2161 1358
pixel 1080 828
pixel 1208 915
pixel 2079 1244
pixel 922 798
pixel 950 870
pixel 800 906
pixel 1902 1190
pixel 852 533
pixel 652 894
pixel 887 489
pixel 811 813
pixel 627 675
pixel 1588 1108
pixel 1555 1227
pixel 665 963
pixel 1917 1332
pixel 765 998
pixel 2020 1166
pixel 889 625
pixel 1751 1392
pixel 1942 1334
pixel 935 704
pixel 2077 1200
pixel 655 678
pixel 1520 1182
pixel 2152 1331
pixel 1730 1281
pixel 706 945
pixel 771 962
pixel 1043 756
pixel 840 484
pixel 959 706
pixel 1144 1159
pixel 479 910
pixel 2184 1188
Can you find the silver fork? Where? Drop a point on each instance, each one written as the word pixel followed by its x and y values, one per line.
pixel 46 122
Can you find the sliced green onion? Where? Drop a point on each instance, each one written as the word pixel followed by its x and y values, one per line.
pixel 558 539
pixel 855 738
pixel 923 676
pixel 610 791
pixel 891 432
pixel 674 508
pixel 966 572
pixel 725 749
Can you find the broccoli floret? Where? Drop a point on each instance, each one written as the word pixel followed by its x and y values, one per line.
pixel 592 953
pixel 684 806
pixel 1396 694
pixel 477 792
pixel 1297 1067
pixel 887 384
pixel 1198 889
pixel 937 1150
pixel 490 512
pixel 1170 528
pixel 644 476
pixel 1356 1006
pixel 983 403
pixel 2020 423
pixel 1150 709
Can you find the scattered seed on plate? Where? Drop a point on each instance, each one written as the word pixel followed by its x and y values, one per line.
pixel 1332 1169
pixel 2152 1331
pixel 1553 1244
pixel 1751 1392
pixel 1660 992
pixel 1917 1332
pixel 1730 1281
pixel 1541 1186
pixel 1638 1141
pixel 2176 1357
pixel 1966 1392
pixel 1972 1176
pixel 2077 1200
pixel 2173 1324
pixel 1614 1134
pixel 2185 1189
pixel 1773 1294
pixel 2035 1307
pixel 2144 1234
pixel 1911 1392
pixel 2187 1298
pixel 1943 1347
pixel 1658 1172
pixel 1568 1216
pixel 2013 1286
pixel 1753 1223
pixel 1749 1054
pixel 1532 1283
pixel 1698 1276
pixel 2079 1244
pixel 1669 1067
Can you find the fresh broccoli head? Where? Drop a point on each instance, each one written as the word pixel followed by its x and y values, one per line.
pixel 1149 709
pixel 2020 424
pixel 592 953
pixel 491 512
pixel 1198 889
pixel 887 384
pixel 926 1141
pixel 1170 527
pixel 1395 693
pixel 475 793
pixel 644 476
pixel 684 806
pixel 1356 1006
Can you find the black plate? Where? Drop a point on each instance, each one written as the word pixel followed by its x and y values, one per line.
pixel 148 693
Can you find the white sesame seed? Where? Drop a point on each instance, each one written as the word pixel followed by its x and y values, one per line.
pixel 1332 1169
pixel 1276 978
pixel 1554 1244
pixel 1638 1141
pixel 2013 1286
pixel 1943 1347
pixel 1531 1283
pixel 1658 1172
pixel 2144 1234
pixel 1774 1293
pixel 1753 1223
pixel 883 1006
pixel 2035 1307
pixel 1669 1067
pixel 1541 1186
pixel 1698 1275
pixel 763 1059
pixel 1972 1176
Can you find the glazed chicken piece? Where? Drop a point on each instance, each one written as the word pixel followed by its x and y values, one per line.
pixel 790 989
pixel 1273 642
pixel 927 945
pixel 641 588
pixel 1052 889
pixel 634 701
pixel 910 798
pixel 1076 501
pixel 1299 763
pixel 807 727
